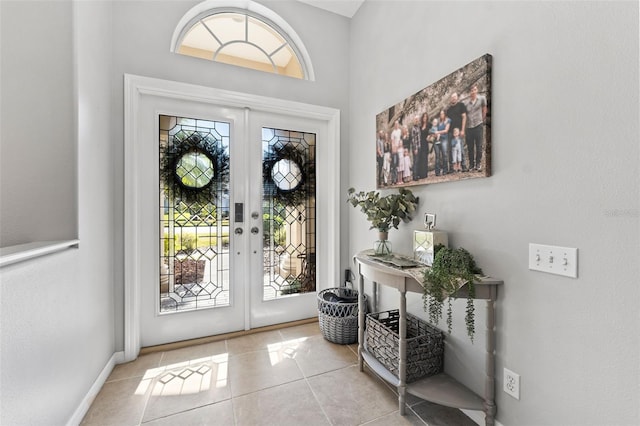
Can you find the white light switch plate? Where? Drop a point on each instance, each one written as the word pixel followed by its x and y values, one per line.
pixel 554 259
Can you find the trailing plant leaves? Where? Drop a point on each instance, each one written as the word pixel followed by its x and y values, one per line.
pixel 469 318
pixel 449 316
pixel 451 269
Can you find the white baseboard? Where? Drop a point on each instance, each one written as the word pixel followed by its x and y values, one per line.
pixel 478 417
pixel 81 411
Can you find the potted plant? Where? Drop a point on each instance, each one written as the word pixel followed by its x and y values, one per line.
pixel 384 212
pixel 451 269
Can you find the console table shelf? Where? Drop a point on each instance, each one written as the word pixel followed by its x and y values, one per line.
pixel 441 388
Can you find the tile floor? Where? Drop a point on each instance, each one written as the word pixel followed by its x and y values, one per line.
pixel 291 376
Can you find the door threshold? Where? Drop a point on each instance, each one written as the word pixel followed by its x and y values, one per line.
pixel 209 339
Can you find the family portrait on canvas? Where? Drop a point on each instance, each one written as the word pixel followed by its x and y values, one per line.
pixel 441 133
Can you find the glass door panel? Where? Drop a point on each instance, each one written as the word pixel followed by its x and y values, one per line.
pixel 283 205
pixel 190 170
pixel 288 211
pixel 194 214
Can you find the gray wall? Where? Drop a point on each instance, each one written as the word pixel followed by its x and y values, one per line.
pixel 37 195
pixel 565 161
pixel 62 315
pixel 142 36
pixel 57 316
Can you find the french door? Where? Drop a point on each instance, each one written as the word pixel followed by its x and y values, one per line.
pixel 282 192
pixel 227 219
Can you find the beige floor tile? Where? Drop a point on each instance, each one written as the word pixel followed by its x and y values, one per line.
pixel 395 419
pixel 304 330
pixel 119 402
pixel 190 385
pixel 288 404
pixel 255 371
pixel 438 415
pixel 350 397
pixel 138 368
pixel 220 413
pixel 258 380
pixel 409 399
pixel 253 342
pixel 315 355
pixel 193 353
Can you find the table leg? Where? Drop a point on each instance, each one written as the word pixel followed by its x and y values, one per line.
pixel 490 381
pixel 374 303
pixel 402 367
pixel 361 310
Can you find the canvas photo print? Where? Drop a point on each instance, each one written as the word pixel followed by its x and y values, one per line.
pixel 441 133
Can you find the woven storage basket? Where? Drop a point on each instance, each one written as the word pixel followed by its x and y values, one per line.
pixel 339 319
pixel 425 344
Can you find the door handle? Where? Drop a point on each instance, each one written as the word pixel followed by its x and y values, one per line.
pixel 238 231
pixel 254 230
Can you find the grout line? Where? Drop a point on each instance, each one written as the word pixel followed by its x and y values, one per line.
pixel 233 406
pixel 306 379
pixel 152 383
pixel 410 407
pixel 267 388
pixel 315 396
pixel 231 397
pixel 162 356
pixel 146 399
pixel 187 410
pixel 355 364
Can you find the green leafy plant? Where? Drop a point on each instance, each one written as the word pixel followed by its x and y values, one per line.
pixel 451 269
pixel 273 226
pixel 384 212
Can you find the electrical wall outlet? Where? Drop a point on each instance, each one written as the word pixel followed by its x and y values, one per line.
pixel 512 383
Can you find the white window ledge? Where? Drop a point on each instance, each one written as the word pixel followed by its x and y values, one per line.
pixel 18 253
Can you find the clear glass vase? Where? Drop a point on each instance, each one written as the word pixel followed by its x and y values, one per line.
pixel 383 245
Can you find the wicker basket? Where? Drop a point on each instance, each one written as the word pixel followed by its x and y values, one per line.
pixel 338 314
pixel 425 344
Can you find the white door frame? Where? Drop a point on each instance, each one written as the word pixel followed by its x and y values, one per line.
pixel 327 193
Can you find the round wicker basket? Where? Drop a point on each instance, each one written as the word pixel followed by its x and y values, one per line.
pixel 338 314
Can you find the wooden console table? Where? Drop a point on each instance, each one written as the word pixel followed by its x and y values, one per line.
pixel 441 388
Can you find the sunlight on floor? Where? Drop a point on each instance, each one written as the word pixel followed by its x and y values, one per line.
pixel 281 350
pixel 187 377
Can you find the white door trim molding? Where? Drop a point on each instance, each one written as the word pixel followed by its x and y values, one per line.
pixel 136 87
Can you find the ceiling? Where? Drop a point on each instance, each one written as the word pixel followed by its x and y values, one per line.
pixel 346 8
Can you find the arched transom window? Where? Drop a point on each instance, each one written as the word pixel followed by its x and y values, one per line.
pixel 244 38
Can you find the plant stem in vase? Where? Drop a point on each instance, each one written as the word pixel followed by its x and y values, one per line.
pixel 384 212
pixel 383 245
